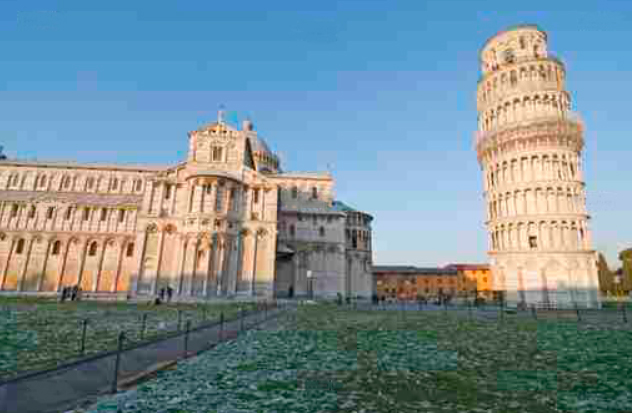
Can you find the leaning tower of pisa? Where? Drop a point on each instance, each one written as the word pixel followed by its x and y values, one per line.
pixel 529 145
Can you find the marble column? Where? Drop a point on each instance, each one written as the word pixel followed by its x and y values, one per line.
pixel 161 240
pixel 40 279
pixel 97 275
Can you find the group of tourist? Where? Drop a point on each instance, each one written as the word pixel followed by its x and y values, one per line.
pixel 70 293
pixel 168 292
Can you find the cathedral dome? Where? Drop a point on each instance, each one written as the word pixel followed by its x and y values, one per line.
pixel 257 144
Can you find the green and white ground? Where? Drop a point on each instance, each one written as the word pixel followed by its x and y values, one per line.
pixel 36 334
pixel 325 358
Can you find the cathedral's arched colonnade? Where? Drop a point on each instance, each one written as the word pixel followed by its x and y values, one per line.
pixel 49 262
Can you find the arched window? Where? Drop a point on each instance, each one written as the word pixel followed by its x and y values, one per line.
pixel 217 154
pixel 32 211
pixel 314 193
pixel 90 183
pixel 138 186
pixel 86 214
pixel 93 249
pixel 255 195
pixel 121 215
pixel 42 181
pixel 68 213
pixel 130 250
pixel 167 191
pixel 14 210
pixel 56 248
pixel 66 182
pixel 104 214
pixel 294 192
pixel 19 249
pixel 114 184
pixel 15 180
pixel 321 231
pixel 49 212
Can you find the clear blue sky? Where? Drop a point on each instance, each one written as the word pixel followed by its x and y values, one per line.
pixel 382 90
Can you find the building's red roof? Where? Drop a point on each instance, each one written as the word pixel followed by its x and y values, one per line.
pixel 461 267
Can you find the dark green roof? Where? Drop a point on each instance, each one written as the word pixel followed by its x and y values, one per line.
pixel 342 207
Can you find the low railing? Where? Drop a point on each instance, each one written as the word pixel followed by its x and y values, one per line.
pixel 522 59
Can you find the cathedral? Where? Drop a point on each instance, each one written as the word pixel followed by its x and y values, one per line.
pixel 225 222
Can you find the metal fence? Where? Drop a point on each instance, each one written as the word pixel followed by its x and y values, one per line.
pixel 619 316
pixel 67 385
pixel 84 329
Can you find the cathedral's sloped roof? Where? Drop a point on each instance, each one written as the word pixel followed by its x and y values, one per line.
pixel 208 126
pixel 103 200
pixel 342 207
pixel 257 144
pixel 86 165
pixel 215 172
pixel 313 175
pixel 309 209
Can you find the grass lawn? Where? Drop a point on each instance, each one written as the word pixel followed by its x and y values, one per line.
pixel 38 333
pixel 330 359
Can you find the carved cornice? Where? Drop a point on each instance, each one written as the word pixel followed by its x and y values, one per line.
pixel 550 129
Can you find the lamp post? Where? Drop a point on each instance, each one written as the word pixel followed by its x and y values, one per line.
pixel 617 288
pixel 310 284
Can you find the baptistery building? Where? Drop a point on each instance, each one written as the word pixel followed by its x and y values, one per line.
pixel 227 221
pixel 529 144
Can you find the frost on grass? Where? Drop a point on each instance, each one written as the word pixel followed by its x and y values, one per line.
pixel 43 334
pixel 327 359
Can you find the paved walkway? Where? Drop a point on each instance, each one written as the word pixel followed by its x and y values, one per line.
pixel 81 382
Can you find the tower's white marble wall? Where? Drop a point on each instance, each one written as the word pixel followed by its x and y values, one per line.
pixel 529 145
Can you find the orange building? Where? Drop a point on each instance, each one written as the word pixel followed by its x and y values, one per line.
pixel 476 279
pixel 403 282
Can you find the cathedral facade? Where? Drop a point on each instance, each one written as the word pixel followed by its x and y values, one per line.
pixel 225 222
pixel 529 144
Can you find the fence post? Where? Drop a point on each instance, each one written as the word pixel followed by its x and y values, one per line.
pixel 117 362
pixel 83 336
pixel 221 326
pixel 625 316
pixel 579 318
pixel 265 309
pixel 469 306
pixel 142 327
pixel 502 311
pixel 242 315
pixel 534 312
pixel 186 339
pixel 204 313
pixel 179 319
